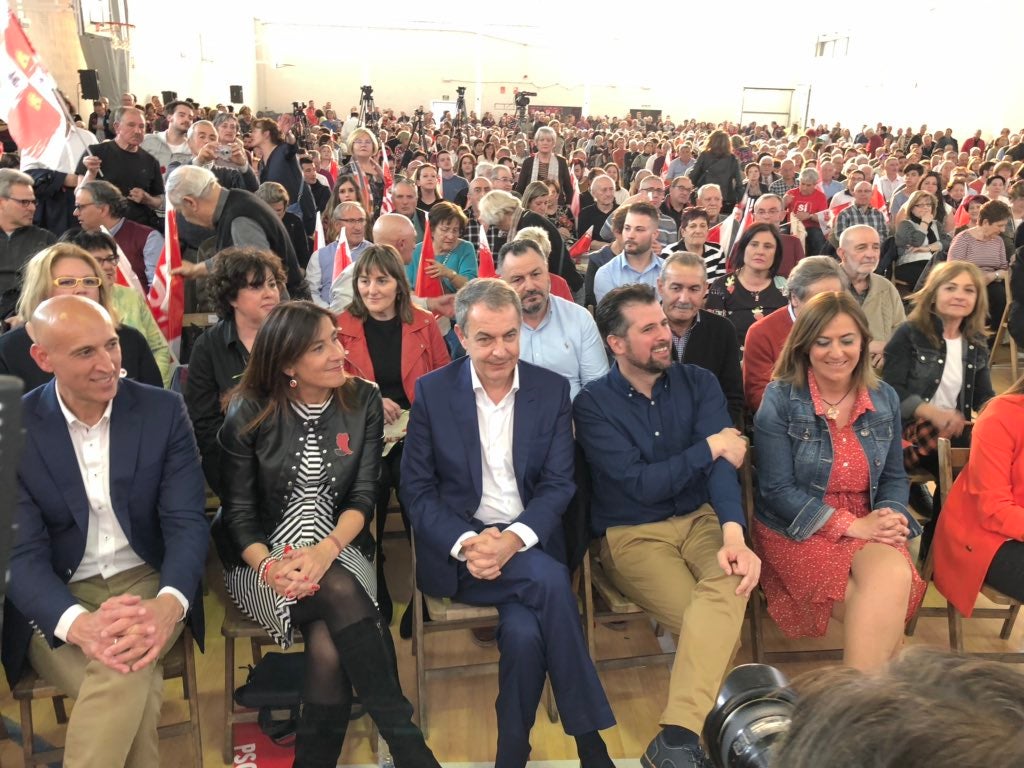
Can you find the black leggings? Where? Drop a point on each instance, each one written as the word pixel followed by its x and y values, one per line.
pixel 340 603
pixel 1006 572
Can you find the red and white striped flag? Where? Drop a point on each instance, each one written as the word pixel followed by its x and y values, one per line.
pixel 574 206
pixel 342 256
pixel 485 266
pixel 582 245
pixel 167 293
pixel 668 159
pixel 28 96
pixel 318 233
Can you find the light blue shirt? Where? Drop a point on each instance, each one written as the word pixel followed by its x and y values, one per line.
pixel 566 342
pixel 618 272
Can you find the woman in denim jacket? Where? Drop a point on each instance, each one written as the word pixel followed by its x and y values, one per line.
pixel 832 522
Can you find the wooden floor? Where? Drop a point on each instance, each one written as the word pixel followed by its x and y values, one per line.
pixel 462 721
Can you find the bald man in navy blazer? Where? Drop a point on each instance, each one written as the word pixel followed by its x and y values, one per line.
pixel 111 537
pixel 487 473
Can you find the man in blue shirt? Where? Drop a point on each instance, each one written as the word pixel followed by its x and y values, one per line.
pixel 638 262
pixel 666 501
pixel 556 334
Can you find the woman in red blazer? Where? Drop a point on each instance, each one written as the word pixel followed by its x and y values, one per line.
pixel 393 343
pixel 980 534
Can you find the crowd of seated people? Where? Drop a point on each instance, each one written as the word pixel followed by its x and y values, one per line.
pixel 647 296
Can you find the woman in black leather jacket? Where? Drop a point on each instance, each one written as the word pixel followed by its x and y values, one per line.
pixel 300 455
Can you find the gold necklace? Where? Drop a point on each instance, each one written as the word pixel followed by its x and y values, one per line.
pixel 833 410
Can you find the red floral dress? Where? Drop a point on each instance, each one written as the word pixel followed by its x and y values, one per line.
pixel 802 579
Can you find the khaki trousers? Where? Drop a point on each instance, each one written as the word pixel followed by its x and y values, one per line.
pixel 671 570
pixel 115 717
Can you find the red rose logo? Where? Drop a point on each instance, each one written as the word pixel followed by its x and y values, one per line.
pixel 342 442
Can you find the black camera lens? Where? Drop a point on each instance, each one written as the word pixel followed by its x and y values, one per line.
pixel 752 711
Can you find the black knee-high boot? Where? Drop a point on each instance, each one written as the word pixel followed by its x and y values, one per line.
pixel 369 664
pixel 320 734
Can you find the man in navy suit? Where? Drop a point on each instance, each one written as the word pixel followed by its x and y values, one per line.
pixel 486 477
pixel 110 537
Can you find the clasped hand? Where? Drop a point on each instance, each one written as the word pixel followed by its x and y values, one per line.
pixel 885 526
pixel 487 552
pixel 126 633
pixel 298 572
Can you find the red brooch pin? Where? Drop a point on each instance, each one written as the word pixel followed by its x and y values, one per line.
pixel 342 442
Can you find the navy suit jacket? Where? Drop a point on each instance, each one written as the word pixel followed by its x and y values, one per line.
pixel 156 490
pixel 441 483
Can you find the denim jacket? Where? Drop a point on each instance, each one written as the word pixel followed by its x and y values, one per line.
pixel 794 459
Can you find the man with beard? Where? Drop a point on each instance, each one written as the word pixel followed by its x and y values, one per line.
pixel 637 263
pixel 699 337
pixel 556 334
pixel 666 507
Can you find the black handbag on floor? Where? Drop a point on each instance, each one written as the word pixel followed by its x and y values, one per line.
pixel 275 683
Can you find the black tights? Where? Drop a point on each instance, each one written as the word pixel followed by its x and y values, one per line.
pixel 340 603
pixel 1006 572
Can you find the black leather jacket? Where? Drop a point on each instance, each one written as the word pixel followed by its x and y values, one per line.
pixel 913 367
pixel 259 466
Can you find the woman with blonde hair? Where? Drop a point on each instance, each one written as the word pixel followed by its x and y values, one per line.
pixel 68 270
pixel 363 148
pixel 832 522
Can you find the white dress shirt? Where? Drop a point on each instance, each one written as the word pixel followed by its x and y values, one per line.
pixel 107 551
pixel 500 503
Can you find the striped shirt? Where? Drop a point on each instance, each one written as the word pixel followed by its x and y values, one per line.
pixel 987 255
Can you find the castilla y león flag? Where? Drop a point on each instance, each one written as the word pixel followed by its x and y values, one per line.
pixel 28 95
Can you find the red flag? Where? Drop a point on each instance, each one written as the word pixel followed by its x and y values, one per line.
pixel 962 218
pixel 877 199
pixel 28 97
pixel 318 233
pixel 167 293
pixel 342 257
pixel 668 159
pixel 715 234
pixel 486 258
pixel 574 206
pixel 582 245
pixel 427 287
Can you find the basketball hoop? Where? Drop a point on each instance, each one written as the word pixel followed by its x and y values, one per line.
pixel 119 32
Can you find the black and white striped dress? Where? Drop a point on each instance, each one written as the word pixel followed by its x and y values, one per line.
pixel 308 519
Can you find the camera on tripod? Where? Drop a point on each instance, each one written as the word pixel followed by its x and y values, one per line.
pixel 299 110
pixel 523 98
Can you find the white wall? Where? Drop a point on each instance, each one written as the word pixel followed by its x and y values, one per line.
pixel 912 63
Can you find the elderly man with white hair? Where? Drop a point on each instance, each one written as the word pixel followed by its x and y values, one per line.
pixel 238 218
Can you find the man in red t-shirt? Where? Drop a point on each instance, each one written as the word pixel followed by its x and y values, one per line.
pixel 803 203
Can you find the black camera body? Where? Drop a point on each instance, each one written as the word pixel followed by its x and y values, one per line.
pixel 751 715
pixel 523 98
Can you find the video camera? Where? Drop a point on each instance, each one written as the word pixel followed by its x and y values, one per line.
pixel 523 98
pixel 751 715
pixel 299 110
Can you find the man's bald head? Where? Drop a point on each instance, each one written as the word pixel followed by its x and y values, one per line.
pixel 54 317
pixel 75 340
pixel 396 230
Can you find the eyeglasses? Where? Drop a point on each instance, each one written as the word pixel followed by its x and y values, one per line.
pixel 112 259
pixel 80 206
pixel 28 202
pixel 74 282
pixel 352 221
pixel 654 190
